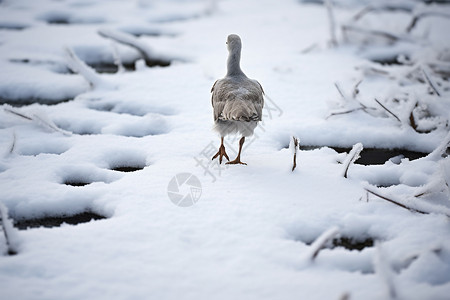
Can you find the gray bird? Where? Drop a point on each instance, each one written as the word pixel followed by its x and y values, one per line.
pixel 237 101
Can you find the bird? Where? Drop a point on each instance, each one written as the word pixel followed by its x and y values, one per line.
pixel 237 101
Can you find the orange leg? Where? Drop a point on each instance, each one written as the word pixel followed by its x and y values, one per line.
pixel 238 158
pixel 221 152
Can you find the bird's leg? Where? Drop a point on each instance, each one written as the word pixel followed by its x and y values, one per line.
pixel 221 152
pixel 238 158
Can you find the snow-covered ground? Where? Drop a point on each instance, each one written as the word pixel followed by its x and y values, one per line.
pixel 255 231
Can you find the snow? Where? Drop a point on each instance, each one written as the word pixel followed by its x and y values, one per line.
pixel 254 229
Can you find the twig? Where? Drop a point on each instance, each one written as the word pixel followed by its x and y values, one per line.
pixel 352 157
pixel 356 89
pixel 388 7
pixel 321 241
pixel 430 81
pixel 390 112
pixel 390 36
pixel 8 230
pixel 412 120
pixel 338 87
pixel 441 149
pixel 417 17
pixel 295 147
pixel 80 67
pixel 37 119
pixel 395 202
pixel 146 52
pixel 309 48
pixel 17 113
pixel 13 145
pixel 345 112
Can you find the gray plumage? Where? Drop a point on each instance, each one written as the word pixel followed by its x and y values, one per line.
pixel 236 99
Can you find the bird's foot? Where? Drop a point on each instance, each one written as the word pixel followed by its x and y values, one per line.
pixel 221 153
pixel 236 161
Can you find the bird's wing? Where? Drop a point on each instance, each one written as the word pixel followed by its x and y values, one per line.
pixel 237 100
pixel 218 97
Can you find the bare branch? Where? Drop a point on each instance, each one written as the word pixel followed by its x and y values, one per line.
pixel 344 112
pixel 390 112
pixel 417 17
pixel 13 144
pixel 340 90
pixel 295 147
pixel 430 81
pixel 394 201
pixel 7 109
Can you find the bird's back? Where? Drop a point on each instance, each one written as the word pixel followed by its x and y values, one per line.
pixel 237 98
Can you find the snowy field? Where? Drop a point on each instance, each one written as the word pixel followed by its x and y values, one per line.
pixel 106 118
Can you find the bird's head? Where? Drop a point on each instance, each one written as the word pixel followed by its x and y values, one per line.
pixel 234 42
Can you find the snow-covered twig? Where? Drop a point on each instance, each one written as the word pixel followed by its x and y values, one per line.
pixel 294 145
pixel 332 23
pixel 430 81
pixel 437 183
pixel 80 67
pixel 12 241
pixel 37 119
pixel 117 59
pixel 352 157
pixel 321 241
pixel 383 269
pixel 146 52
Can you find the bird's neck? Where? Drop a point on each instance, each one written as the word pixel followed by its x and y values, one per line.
pixel 234 63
